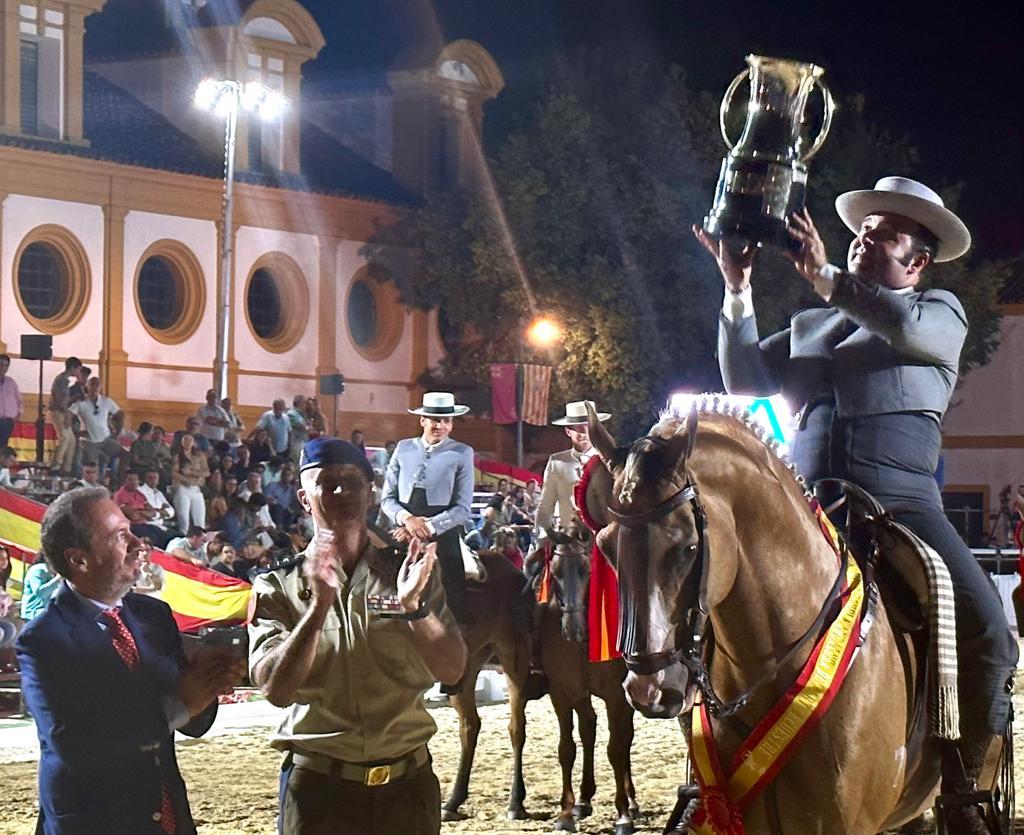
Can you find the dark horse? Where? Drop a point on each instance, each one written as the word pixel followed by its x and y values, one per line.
pixel 502 609
pixel 715 503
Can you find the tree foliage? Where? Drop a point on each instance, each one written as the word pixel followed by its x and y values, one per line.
pixel 588 220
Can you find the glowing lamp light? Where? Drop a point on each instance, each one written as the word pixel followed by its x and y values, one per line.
pixel 207 94
pixel 772 413
pixel 544 332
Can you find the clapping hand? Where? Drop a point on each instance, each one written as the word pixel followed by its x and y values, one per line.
pixel 414 573
pixel 208 676
pixel 321 568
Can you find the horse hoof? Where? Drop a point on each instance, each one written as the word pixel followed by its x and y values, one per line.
pixel 564 825
pixel 582 810
pixel 624 829
pixel 452 815
pixel 516 815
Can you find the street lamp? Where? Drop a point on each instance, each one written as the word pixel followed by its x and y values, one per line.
pixel 226 98
pixel 543 332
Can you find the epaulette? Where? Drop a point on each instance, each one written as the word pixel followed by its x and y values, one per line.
pixel 285 566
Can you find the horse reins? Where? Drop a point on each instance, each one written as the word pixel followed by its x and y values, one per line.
pixel 698 633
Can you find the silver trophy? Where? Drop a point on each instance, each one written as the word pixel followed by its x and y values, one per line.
pixel 764 176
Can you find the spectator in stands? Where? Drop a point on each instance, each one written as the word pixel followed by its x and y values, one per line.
pixel 382 457
pixel 189 471
pixel 8 464
pixel 298 427
pixel 98 442
pixel 277 426
pixel 502 489
pixel 192 424
pixel 506 543
pixel 8 624
pixel 138 511
pixel 10 401
pixel 253 484
pixel 64 451
pixel 481 538
pixel 143 453
pixel 258 519
pixel 233 524
pixel 260 448
pixel 315 419
pixel 358 440
pixel 236 427
pixel 163 454
pixel 227 465
pixel 224 562
pixel 283 498
pixel 248 559
pixel 90 476
pixel 213 420
pixel 531 497
pixel 189 548
pixel 230 487
pixel 150 488
pixel 151 575
pixel 272 472
pixel 242 463
pixel 38 587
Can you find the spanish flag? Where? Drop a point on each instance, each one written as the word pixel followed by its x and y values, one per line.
pixel 197 596
pixel 23 440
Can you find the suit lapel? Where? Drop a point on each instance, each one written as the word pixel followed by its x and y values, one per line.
pixel 80 618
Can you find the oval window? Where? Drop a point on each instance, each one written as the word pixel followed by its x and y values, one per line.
pixel 362 314
pixel 264 304
pixel 41 280
pixel 159 293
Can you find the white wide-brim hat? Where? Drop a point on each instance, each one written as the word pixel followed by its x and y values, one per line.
pixel 576 414
pixel 903 196
pixel 439 404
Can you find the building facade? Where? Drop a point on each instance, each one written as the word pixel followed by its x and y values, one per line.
pixel 111 206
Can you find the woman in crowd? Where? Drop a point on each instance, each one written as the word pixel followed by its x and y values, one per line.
pixel 314 419
pixel 189 472
pixel 259 448
pixel 8 623
pixel 216 499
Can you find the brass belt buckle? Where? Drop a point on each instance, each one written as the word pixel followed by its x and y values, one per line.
pixel 379 775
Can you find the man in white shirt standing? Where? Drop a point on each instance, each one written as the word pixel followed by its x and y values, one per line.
pixel 213 420
pixel 95 412
pixel 10 401
pixel 565 468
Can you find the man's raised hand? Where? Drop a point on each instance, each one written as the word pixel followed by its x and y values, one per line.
pixel 735 263
pixel 415 573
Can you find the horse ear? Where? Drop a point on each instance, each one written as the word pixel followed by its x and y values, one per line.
pixel 599 436
pixel 690 428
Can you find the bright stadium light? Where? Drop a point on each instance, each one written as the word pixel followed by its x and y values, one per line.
pixel 226 98
pixel 544 332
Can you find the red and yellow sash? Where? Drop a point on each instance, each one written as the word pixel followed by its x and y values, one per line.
pixel 725 797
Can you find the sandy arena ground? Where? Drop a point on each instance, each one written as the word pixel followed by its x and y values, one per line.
pixel 232 777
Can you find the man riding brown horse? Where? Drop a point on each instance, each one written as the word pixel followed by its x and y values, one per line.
pixel 872 375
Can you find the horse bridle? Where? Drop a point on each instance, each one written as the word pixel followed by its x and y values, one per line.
pixel 697 636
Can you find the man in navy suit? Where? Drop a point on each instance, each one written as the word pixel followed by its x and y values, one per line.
pixel 872 375
pixel 105 678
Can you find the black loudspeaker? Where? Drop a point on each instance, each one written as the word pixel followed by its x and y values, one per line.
pixel 332 383
pixel 36 346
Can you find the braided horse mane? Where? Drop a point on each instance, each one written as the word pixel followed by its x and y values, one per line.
pixel 752 436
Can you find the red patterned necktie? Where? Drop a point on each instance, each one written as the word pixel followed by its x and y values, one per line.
pixel 126 648
pixel 124 643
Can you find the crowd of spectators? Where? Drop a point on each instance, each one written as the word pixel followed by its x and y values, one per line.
pixel 213 492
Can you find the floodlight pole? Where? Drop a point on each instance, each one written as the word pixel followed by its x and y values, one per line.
pixel 232 93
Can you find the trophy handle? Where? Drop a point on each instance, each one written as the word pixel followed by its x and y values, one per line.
pixel 830 107
pixel 727 102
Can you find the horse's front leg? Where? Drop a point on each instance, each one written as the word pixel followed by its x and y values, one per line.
pixel 464 703
pixel 588 736
pixel 565 822
pixel 620 741
pixel 517 736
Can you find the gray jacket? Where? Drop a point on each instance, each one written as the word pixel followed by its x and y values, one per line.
pixel 876 351
pixel 448 482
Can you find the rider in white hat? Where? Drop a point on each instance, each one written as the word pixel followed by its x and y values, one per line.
pixel 428 491
pixel 872 374
pixel 565 468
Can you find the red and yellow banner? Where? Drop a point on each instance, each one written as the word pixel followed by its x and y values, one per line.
pixel 197 596
pixel 726 796
pixel 488 473
pixel 23 440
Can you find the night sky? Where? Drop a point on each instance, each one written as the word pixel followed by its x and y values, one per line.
pixel 950 82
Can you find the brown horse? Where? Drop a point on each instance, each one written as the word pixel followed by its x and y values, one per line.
pixel 714 503
pixel 573 678
pixel 502 609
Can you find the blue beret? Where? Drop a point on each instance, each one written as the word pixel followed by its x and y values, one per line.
pixel 322 452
